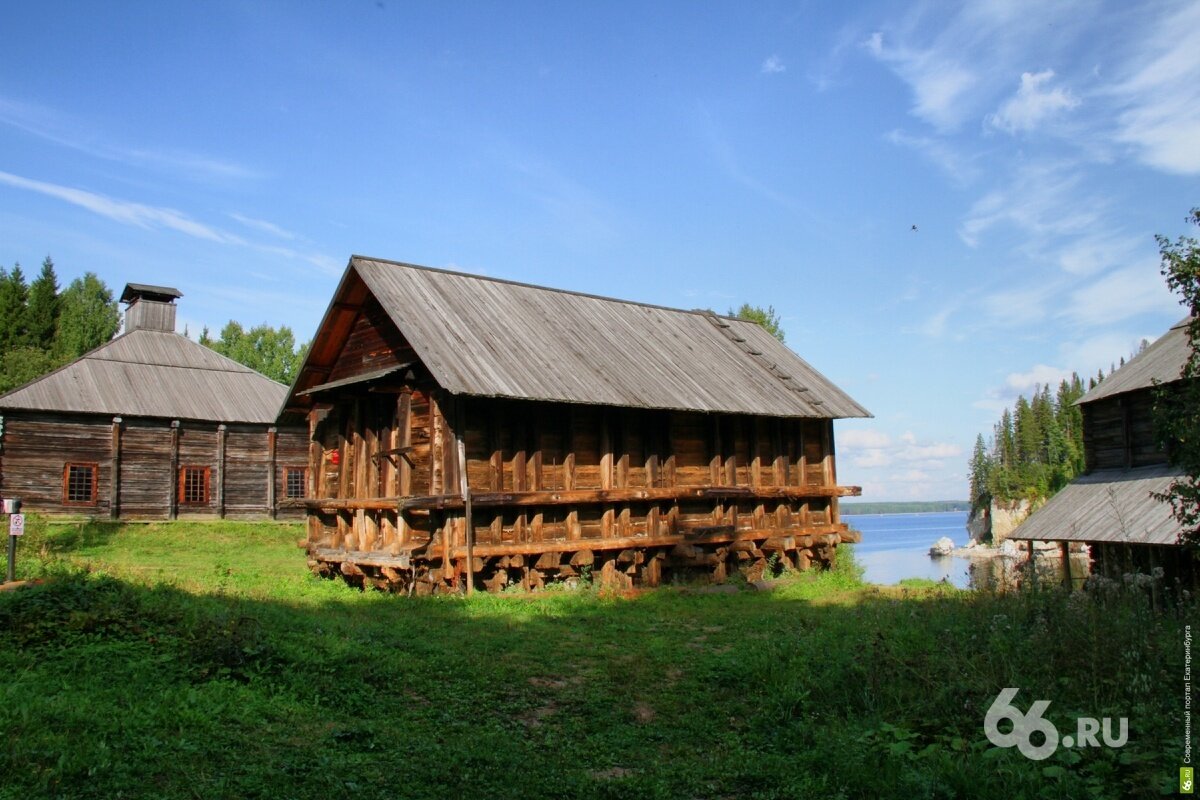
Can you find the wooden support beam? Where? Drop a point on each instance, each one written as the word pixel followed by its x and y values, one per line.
pixel 606 451
pixel 755 455
pixel 222 433
pixel 568 467
pixel 465 489
pixel 779 461
pixel 637 494
pixel 715 451
pixel 173 478
pixel 549 554
pixel 496 457
pixel 583 497
pixel 114 484
pixel 272 435
pixel 730 438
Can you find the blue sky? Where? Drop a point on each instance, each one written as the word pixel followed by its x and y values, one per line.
pixel 682 154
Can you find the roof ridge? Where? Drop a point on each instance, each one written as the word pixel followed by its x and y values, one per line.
pixel 525 285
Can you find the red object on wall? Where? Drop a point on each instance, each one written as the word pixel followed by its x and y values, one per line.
pixel 335 457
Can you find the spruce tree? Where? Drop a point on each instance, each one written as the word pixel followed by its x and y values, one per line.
pixel 42 315
pixel 14 297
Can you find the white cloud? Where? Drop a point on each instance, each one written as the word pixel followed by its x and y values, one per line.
pixel 1160 97
pixel 1102 350
pixel 1119 295
pixel 160 217
pixel 1091 254
pixel 936 80
pixel 1040 375
pixel 959 167
pixel 63 129
pixel 861 439
pixel 1041 201
pixel 868 449
pixel 1033 103
pixel 137 214
pixel 263 226
pixel 773 66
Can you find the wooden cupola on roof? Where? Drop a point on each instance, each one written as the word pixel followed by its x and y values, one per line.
pixel 150 308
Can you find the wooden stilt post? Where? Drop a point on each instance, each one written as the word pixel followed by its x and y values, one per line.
pixel 1066 557
pixel 1032 564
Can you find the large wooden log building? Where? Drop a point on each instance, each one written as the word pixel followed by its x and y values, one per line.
pixel 470 432
pixel 151 426
pixel 1112 506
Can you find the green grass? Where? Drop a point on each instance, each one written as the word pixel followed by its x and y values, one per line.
pixel 201 660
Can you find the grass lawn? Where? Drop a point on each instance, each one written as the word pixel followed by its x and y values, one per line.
pixel 201 660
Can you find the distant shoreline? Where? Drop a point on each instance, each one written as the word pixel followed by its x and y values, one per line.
pixel 918 507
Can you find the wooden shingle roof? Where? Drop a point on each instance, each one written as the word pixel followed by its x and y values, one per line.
pixel 148 373
pixel 1110 505
pixel 1162 361
pixel 493 338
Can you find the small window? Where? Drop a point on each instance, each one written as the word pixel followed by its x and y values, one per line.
pixel 79 484
pixel 193 486
pixel 294 482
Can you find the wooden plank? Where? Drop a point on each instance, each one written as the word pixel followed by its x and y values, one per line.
pixel 173 478
pixel 755 455
pixel 222 433
pixel 114 486
pixel 465 489
pixel 272 434
pixel 568 467
pixel 587 497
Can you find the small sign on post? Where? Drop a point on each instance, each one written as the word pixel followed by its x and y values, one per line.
pixel 16 527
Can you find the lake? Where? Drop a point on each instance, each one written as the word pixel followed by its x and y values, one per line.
pixel 896 546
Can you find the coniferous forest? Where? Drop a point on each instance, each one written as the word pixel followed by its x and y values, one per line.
pixel 42 328
pixel 1036 447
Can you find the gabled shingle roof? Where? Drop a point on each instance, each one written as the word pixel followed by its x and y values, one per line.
pixel 1161 361
pixel 154 374
pixel 493 338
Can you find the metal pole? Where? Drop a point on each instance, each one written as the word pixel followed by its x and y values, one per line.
pixel 12 559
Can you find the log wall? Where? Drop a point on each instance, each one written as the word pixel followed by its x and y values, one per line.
pixel 246 469
pixel 1118 432
pixel 556 487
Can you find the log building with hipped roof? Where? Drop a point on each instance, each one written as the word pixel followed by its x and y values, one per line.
pixel 471 432
pixel 151 425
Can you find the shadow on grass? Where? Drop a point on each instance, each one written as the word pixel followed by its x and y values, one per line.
pixel 120 687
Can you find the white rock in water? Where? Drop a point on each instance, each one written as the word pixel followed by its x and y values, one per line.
pixel 942 547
